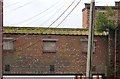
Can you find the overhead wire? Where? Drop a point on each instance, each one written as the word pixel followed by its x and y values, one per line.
pixel 52 15
pixel 13 4
pixel 38 14
pixel 8 5
pixel 66 16
pixel 47 28
pixel 21 6
pixel 46 14
pixel 44 22
pixel 62 13
pixel 34 29
pixel 69 13
pixel 36 41
pixel 57 25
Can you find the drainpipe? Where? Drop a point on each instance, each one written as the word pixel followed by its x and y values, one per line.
pixel 115 54
pixel 1 34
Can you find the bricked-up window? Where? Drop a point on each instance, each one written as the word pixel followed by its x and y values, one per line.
pixel 8 44
pixel 49 45
pixel 85 46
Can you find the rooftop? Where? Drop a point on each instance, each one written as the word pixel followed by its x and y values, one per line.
pixel 48 31
pixel 117 3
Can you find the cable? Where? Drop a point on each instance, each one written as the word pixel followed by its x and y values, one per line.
pixel 38 13
pixel 46 28
pixel 47 14
pixel 58 24
pixel 11 4
pixel 23 5
pixel 17 7
pixel 69 13
pixel 49 17
pixel 34 29
pixel 66 16
pixel 38 28
pixel 26 34
pixel 62 13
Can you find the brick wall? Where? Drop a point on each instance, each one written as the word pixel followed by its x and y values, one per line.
pixel 28 57
pixel 85 16
pixel 86 13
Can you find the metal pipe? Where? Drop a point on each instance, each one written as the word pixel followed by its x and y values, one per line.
pixel 115 54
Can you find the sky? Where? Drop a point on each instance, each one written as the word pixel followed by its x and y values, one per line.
pixel 46 13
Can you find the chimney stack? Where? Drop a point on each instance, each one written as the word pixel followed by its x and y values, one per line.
pixel 117 3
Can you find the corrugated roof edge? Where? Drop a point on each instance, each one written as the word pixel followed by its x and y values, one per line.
pixel 51 31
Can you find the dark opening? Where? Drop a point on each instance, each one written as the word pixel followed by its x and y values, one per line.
pixel 52 68
pixel 94 68
pixel 7 67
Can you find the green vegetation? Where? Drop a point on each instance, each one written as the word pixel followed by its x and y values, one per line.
pixel 105 20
